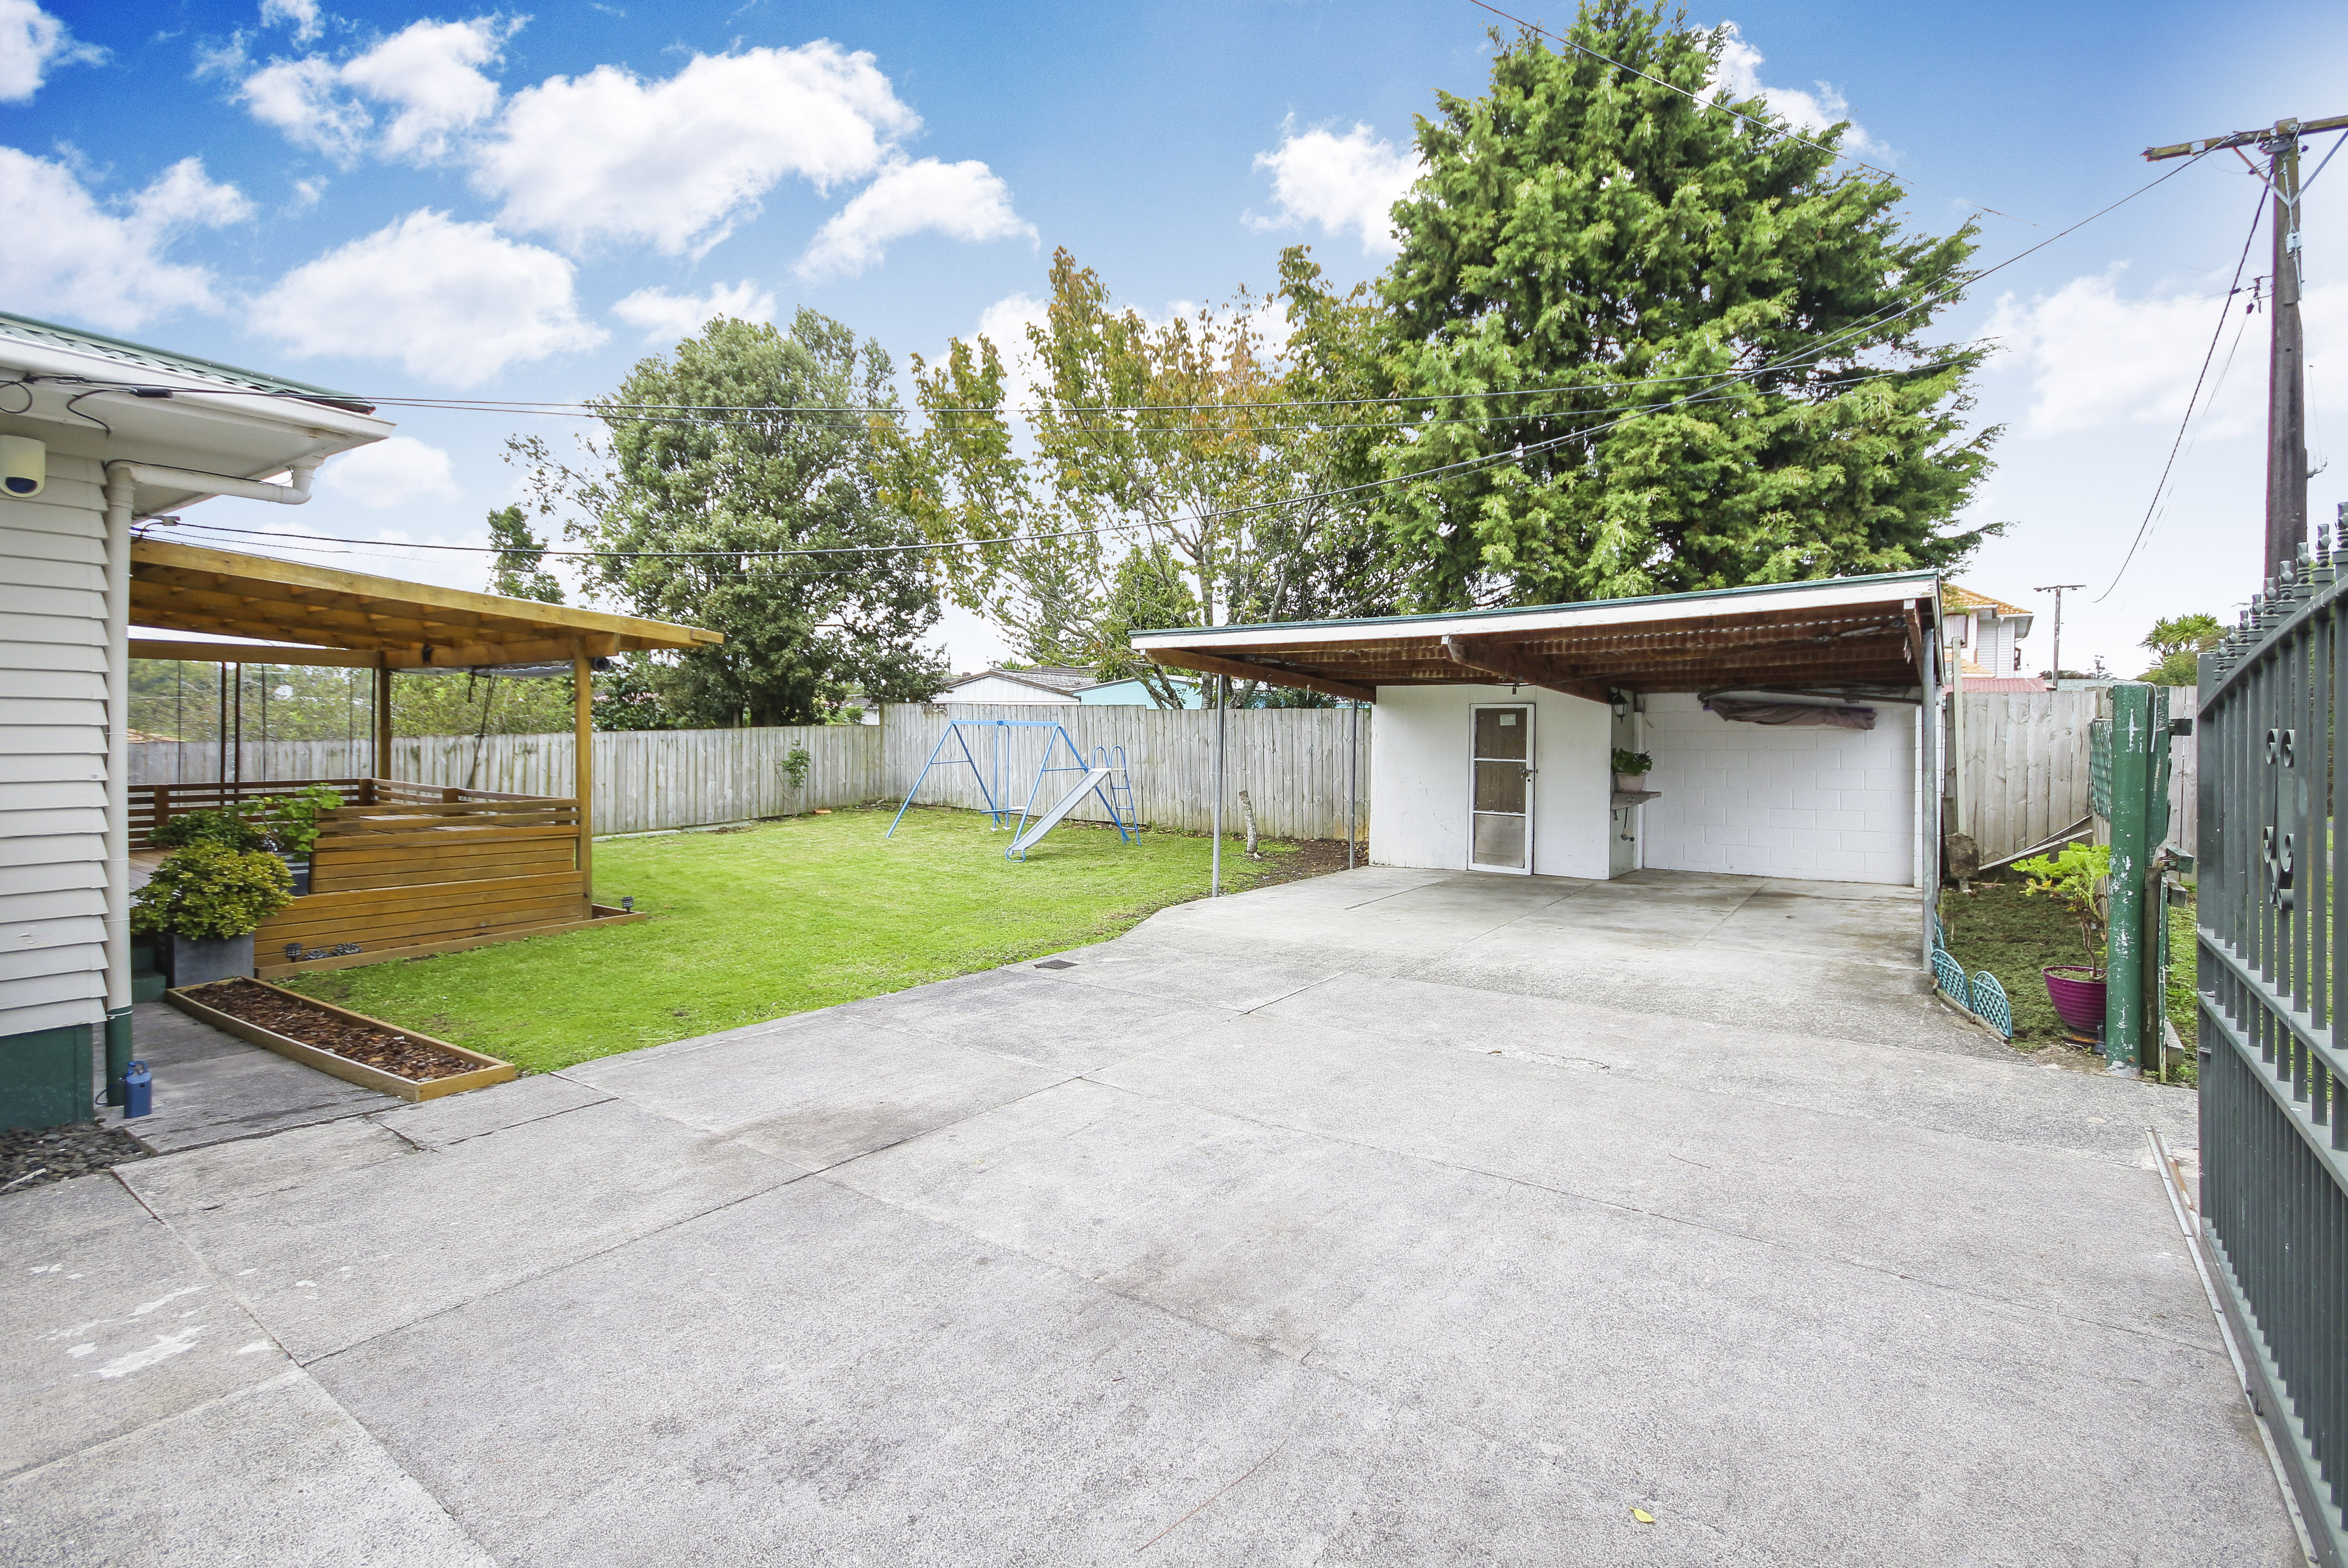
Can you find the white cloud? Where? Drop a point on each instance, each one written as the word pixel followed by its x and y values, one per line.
pixel 454 303
pixel 392 472
pixel 302 14
pixel 2097 359
pixel 32 43
pixel 965 200
pixel 431 73
pixel 70 256
pixel 677 164
pixel 427 76
pixel 1339 183
pixel 1740 76
pixel 671 318
pixel 300 99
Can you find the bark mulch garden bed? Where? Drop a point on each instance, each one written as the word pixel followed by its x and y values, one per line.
pixel 348 1045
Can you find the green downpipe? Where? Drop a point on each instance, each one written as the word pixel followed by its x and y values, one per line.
pixel 117 1053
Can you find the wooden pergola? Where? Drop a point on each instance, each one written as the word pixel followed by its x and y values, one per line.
pixel 1841 636
pixel 415 868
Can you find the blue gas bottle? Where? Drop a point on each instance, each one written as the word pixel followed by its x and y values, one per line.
pixel 137 1089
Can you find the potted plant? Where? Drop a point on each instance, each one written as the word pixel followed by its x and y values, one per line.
pixel 221 825
pixel 290 825
pixel 2078 876
pixel 1630 770
pixel 204 903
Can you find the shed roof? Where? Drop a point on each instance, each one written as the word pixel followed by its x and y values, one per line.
pixel 1836 633
pixel 1957 597
pixel 411 626
pixel 140 356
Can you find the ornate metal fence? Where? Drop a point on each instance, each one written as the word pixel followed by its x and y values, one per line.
pixel 2273 942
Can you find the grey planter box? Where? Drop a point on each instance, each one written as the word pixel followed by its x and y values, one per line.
pixel 190 962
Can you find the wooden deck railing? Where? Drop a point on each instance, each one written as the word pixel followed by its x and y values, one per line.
pixel 404 869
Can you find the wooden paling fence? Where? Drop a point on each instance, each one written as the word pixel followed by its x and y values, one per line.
pixel 2025 761
pixel 1292 761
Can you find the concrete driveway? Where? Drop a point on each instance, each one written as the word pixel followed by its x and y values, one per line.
pixel 1393 1217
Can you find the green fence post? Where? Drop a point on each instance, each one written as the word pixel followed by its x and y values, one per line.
pixel 2124 958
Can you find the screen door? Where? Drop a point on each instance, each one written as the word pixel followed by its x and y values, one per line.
pixel 1501 786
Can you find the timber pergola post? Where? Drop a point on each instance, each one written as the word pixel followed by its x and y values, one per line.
pixel 582 771
pixel 382 763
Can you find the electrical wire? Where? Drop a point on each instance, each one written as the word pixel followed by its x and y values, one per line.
pixel 2225 308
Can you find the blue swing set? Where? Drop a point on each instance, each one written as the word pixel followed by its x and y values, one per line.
pixel 1102 776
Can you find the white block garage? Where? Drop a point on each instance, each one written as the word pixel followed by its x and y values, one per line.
pixel 1786 726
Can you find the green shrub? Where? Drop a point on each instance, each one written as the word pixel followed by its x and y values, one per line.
pixel 207 891
pixel 221 825
pixel 2077 877
pixel 1631 762
pixel 291 821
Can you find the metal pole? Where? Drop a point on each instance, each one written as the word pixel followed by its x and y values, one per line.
pixel 1353 784
pixel 2054 671
pixel 1215 879
pixel 236 746
pixel 583 761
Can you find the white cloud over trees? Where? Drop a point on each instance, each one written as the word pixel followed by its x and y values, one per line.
pixel 675 164
pixel 1740 76
pixel 427 80
pixel 1339 184
pixel 453 302
pixel 665 318
pixel 32 44
pixel 966 202
pixel 73 257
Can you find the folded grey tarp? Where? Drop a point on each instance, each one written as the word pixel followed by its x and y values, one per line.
pixel 1751 710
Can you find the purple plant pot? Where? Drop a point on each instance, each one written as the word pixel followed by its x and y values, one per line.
pixel 2077 993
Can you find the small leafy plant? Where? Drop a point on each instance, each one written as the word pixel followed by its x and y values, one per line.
pixel 291 821
pixel 208 891
pixel 221 825
pixel 1633 761
pixel 2078 877
pixel 795 767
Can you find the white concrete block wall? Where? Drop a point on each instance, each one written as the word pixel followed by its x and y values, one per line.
pixel 1755 799
pixel 1419 778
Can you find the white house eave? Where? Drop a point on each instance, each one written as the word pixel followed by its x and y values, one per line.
pixel 1829 595
pixel 320 427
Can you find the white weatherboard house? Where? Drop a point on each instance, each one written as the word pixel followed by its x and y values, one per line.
pixel 1783 722
pixel 94 434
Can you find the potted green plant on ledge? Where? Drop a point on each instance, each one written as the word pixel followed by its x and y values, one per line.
pixel 1630 770
pixel 2078 877
pixel 291 824
pixel 203 904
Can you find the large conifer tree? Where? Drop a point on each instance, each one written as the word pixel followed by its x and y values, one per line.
pixel 1582 227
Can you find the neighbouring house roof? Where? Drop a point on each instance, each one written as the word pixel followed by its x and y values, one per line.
pixel 139 356
pixel 1956 596
pixel 1835 632
pixel 1993 685
pixel 1057 680
pixel 361 618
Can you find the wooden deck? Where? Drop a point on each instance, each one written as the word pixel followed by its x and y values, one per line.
pixel 404 870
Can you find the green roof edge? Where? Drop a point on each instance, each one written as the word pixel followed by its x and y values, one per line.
pixel 192 362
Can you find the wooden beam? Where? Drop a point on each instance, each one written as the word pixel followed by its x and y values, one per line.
pixel 231 652
pixel 382 717
pixel 1512 664
pixel 1242 669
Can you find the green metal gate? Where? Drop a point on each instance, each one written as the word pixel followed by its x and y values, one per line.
pixel 2273 941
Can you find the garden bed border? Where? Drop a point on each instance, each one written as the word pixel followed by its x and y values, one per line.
pixel 491 1071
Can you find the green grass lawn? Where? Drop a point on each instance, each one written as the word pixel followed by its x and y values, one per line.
pixel 781 918
pixel 2015 937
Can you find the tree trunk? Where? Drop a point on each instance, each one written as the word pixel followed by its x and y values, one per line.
pixel 1247 815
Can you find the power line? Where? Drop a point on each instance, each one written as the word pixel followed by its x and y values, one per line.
pixel 2225 308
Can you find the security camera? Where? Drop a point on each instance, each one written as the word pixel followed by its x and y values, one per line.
pixel 23 466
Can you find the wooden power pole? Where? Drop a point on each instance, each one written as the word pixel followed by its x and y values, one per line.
pixel 2286 351
pixel 2054 675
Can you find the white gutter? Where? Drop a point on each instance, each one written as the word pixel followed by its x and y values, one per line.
pixel 302 470
pixel 122 478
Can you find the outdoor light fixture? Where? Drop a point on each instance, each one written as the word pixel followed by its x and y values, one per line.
pixel 628 904
pixel 293 953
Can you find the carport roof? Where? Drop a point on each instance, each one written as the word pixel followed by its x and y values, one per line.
pixel 1843 633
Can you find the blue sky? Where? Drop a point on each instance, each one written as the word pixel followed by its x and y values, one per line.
pixel 402 200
